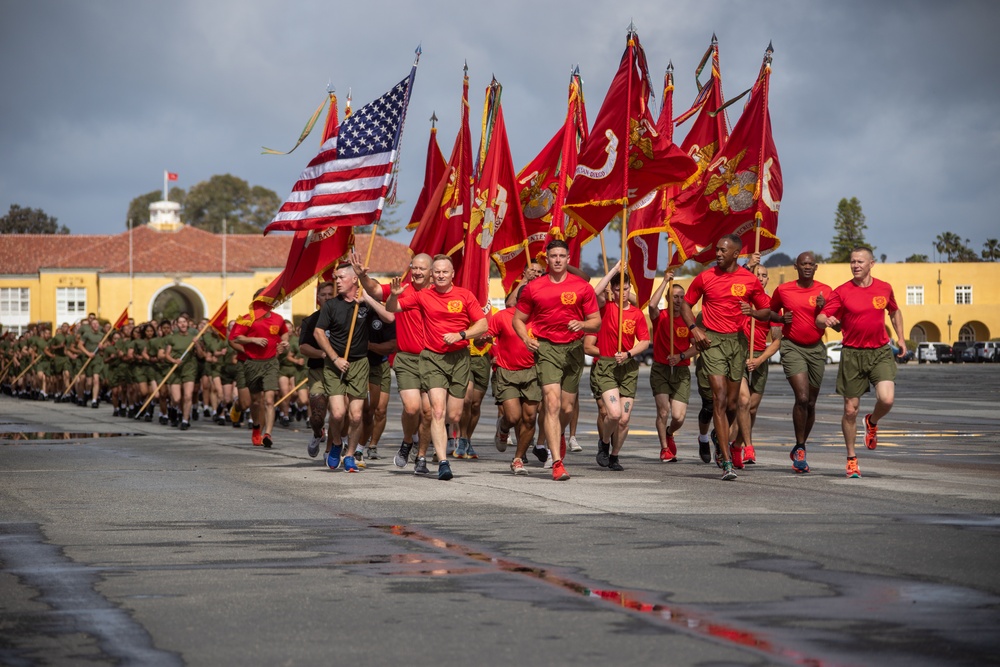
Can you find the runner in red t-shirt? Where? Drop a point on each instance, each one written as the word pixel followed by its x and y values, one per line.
pixel 515 384
pixel 726 292
pixel 451 315
pixel 803 355
pixel 670 376
pixel 614 377
pixel 262 340
pixel 560 308
pixel 859 307
pixel 406 363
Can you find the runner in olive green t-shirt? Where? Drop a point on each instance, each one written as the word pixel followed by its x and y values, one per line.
pixel 89 346
pixel 181 382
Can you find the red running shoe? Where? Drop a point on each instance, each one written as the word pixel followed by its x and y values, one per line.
pixel 749 454
pixel 559 473
pixel 256 438
pixel 672 446
pixel 871 433
pixel 736 452
pixel 666 456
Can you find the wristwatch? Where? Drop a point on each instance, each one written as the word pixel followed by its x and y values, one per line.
pixel 462 334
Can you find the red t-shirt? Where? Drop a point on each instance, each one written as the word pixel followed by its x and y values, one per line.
pixel 861 310
pixel 272 328
pixel 409 322
pixel 661 338
pixel 509 351
pixel 550 306
pixel 448 312
pixel 760 331
pixel 723 292
pixel 633 328
pixel 802 302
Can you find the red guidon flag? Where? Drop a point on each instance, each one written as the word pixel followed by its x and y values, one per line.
pixel 434 169
pixel 496 227
pixel 220 322
pixel 312 251
pixel 742 186
pixel 707 135
pixel 647 218
pixel 625 157
pixel 442 227
pixel 544 182
pixel 171 176
pixel 346 184
pixel 122 319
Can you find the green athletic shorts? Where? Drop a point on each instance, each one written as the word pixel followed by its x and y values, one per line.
pixel 261 375
pixel 522 384
pixel 560 364
pixel 607 374
pixel 186 372
pixel 446 371
pixel 727 355
pixel 241 375
pixel 479 368
pixel 674 381
pixel 811 359
pixel 315 384
pixel 379 375
pixel 354 384
pixel 407 368
pixel 861 368
pixel 758 380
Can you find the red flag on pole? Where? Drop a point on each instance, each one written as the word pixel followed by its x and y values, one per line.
pixel 648 218
pixel 442 228
pixel 742 186
pixel 220 321
pixel 433 171
pixel 346 184
pixel 624 144
pixel 544 182
pixel 496 227
pixel 122 319
pixel 171 176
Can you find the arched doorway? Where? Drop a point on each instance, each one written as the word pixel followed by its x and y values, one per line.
pixel 973 331
pixel 172 300
pixel 925 332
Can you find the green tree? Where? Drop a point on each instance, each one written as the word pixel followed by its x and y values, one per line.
pixel 30 221
pixel 848 230
pixel 916 259
pixel 138 208
pixel 778 259
pixel 991 250
pixel 228 198
pixel 951 246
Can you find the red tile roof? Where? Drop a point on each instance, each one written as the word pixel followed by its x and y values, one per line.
pixel 189 250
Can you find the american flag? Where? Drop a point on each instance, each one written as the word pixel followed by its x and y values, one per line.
pixel 347 182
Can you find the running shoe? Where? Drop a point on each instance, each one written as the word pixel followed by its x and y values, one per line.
pixel 285 421
pixel 548 462
pixel 185 425
pixel 574 446
pixel 541 453
pixel 613 464
pixel 500 437
pixel 798 456
pixel 401 457
pixel 704 452
pixel 163 420
pixel 333 457
pixel 255 438
pixel 444 471
pixel 350 464
pixel 559 473
pixel 871 433
pixel 234 413
pixel 736 453
pixel 672 447
pixel 359 458
pixel 420 468
pixel 313 449
pixel 371 452
pixel 603 453
pixel 852 468
pixel 470 453
pixel 749 455
pixel 517 467
pixel 266 441
pixel 455 448
pixel 666 456
pixel 728 474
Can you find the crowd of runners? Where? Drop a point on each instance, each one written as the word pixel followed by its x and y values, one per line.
pixel 448 351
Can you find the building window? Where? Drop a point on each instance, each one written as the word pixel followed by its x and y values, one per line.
pixel 15 309
pixel 914 295
pixel 963 294
pixel 71 304
pixel 967 334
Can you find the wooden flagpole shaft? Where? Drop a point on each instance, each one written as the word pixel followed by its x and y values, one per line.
pixel 670 301
pixel 291 393
pixel 6 369
pixel 30 366
pixel 604 253
pixel 753 321
pixel 621 274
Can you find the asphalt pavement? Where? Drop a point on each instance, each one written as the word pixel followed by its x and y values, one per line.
pixel 123 542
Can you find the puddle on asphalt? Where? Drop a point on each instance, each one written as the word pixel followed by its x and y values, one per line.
pixel 59 435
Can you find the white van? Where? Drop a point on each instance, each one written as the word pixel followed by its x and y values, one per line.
pixel 926 352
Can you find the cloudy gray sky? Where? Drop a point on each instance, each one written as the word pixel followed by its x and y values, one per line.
pixel 895 103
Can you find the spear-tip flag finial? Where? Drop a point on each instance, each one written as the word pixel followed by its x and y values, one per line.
pixel 434 119
pixel 465 68
pixel 631 28
pixel 715 40
pixel 330 88
pixel 670 67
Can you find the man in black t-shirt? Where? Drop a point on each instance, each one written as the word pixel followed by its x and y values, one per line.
pixel 314 354
pixel 381 344
pixel 345 376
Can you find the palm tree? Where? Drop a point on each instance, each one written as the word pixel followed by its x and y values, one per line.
pixel 991 250
pixel 948 243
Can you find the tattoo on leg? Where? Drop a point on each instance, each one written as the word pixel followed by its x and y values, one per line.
pixel 612 399
pixel 627 405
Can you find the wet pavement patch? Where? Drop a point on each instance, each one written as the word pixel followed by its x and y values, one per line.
pixel 21 436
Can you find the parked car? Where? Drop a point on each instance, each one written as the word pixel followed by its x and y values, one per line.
pixel 988 350
pixel 895 353
pixel 926 352
pixel 833 349
pixel 969 354
pixel 957 348
pixel 945 353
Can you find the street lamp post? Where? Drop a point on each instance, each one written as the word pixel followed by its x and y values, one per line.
pixel 949 328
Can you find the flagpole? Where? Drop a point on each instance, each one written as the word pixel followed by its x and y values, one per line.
pixel 131 274
pixel 88 360
pixel 224 276
pixel 166 377
pixel 285 397
pixel 670 300
pixel 165 177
